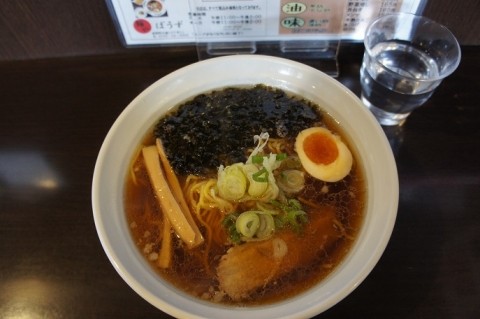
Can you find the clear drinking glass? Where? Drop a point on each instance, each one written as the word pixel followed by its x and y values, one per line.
pixel 406 57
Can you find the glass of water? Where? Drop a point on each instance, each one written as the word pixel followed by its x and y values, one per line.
pixel 406 57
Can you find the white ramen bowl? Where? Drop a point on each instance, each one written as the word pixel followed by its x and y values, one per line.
pixel 366 134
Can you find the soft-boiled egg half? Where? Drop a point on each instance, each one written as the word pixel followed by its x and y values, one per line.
pixel 323 154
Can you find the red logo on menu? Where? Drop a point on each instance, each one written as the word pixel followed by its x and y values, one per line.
pixel 142 26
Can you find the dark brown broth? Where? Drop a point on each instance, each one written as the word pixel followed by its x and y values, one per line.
pixel 188 274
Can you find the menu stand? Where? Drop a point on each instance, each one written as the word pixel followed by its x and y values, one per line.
pixel 320 54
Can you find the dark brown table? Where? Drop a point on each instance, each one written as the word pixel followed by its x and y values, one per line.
pixel 55 113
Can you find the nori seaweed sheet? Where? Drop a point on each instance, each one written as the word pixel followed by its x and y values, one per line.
pixel 218 127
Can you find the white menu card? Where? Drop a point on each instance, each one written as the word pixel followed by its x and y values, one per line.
pixel 163 22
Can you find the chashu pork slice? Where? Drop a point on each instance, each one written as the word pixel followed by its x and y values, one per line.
pixel 246 268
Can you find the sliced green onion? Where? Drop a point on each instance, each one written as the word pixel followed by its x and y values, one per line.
pixel 229 224
pixel 293 214
pixel 255 189
pixel 267 226
pixel 232 183
pixel 248 223
pixel 281 156
pixel 261 176
pixel 257 159
pixel 291 181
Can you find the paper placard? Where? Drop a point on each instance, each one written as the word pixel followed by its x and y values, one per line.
pixel 159 22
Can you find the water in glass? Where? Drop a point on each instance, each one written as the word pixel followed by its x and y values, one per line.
pixel 397 78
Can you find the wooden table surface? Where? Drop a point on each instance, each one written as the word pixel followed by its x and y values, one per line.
pixel 55 113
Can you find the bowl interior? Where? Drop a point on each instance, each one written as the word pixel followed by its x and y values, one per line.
pixel 367 136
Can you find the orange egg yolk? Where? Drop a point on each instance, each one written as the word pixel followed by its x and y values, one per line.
pixel 320 148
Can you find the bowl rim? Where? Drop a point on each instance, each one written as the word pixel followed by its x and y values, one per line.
pixel 329 291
